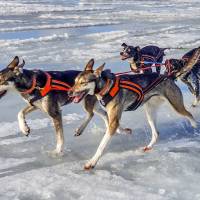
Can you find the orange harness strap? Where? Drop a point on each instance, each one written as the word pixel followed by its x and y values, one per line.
pixel 104 90
pixel 61 83
pixel 47 87
pixel 115 89
pixel 136 89
pixel 52 84
pixel 32 87
pixel 131 83
pixel 107 97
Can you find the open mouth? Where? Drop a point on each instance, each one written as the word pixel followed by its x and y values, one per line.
pixel 79 96
pixel 2 93
pixel 124 56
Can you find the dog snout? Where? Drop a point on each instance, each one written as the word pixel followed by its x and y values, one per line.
pixel 70 92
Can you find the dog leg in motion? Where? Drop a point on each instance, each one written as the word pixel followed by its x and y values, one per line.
pixel 80 130
pixel 89 103
pixel 57 121
pixel 175 98
pixel 151 109
pixel 114 116
pixel 196 101
pixel 102 113
pixel 121 130
pixel 21 119
pixel 51 107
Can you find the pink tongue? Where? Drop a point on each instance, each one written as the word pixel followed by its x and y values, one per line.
pixel 76 99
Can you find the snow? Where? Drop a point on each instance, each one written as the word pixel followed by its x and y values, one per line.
pixel 61 35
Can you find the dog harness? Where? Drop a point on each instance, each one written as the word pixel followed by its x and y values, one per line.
pixel 145 55
pixel 108 94
pixel 51 84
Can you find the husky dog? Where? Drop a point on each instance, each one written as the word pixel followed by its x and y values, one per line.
pixel 31 83
pixel 137 56
pixel 127 92
pixel 191 77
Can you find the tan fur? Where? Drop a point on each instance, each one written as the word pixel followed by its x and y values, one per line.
pixel 166 90
pixel 50 104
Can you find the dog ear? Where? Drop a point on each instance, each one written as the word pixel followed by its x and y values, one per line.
pixel 14 63
pixel 98 71
pixel 89 65
pixel 22 64
pixel 19 69
pixel 124 45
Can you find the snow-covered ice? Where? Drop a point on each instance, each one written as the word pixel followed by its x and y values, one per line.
pixel 64 35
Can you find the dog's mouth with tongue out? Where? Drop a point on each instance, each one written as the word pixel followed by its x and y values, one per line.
pixel 78 96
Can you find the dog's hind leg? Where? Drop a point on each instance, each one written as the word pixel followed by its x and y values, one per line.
pixel 196 101
pixel 114 115
pixel 50 106
pixel 21 119
pixel 175 98
pixel 151 108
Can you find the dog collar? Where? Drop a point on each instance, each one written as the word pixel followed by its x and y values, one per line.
pixel 104 90
pixel 30 90
pixel 106 95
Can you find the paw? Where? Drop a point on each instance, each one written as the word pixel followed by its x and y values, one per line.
pixel 128 130
pixel 55 153
pixel 24 129
pixel 194 105
pixel 194 124
pixel 78 132
pixel 124 131
pixel 88 166
pixel 146 149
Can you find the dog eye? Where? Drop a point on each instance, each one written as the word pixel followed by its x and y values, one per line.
pixel 83 83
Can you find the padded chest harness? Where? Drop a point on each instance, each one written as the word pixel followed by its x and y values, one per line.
pixel 50 85
pixel 143 57
pixel 136 88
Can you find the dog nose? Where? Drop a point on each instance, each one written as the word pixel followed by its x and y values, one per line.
pixel 121 53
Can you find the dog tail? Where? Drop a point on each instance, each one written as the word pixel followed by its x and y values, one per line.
pixel 163 49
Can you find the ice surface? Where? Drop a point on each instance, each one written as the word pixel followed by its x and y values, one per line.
pixel 61 35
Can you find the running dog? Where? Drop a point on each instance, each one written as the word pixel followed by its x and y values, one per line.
pixel 127 92
pixel 137 56
pixel 191 77
pixel 47 91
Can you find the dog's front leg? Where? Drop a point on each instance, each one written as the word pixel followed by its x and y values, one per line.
pixel 113 115
pixel 82 127
pixel 21 119
pixel 102 113
pixel 88 105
